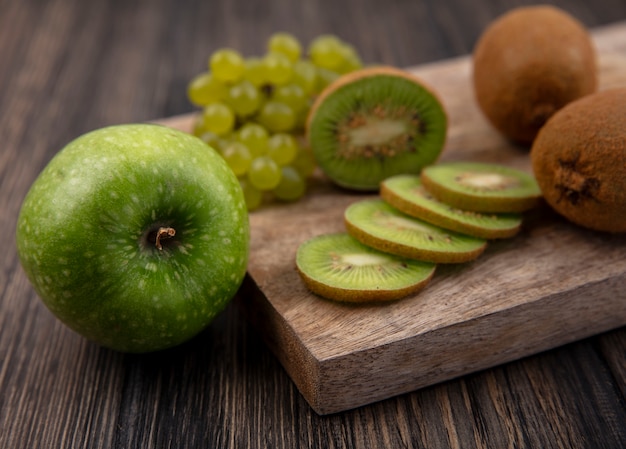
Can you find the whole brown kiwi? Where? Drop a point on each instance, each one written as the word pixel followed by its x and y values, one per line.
pixel 579 161
pixel 529 63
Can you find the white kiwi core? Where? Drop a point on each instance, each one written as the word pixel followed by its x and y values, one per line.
pixel 404 223
pixel 488 181
pixel 376 131
pixel 362 260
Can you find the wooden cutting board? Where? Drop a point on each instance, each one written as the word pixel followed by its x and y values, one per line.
pixel 552 284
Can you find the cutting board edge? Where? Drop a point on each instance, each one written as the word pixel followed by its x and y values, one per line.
pixel 281 338
pixel 567 306
pixel 322 382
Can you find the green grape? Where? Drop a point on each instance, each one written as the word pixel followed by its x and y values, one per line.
pixel 218 143
pixel 255 137
pixel 244 98
pixel 218 118
pixel 326 51
pixel 227 65
pixel 286 44
pixel 305 76
pixel 351 60
pixel 325 77
pixel 198 126
pixel 304 162
pixel 238 157
pixel 276 117
pixel 278 68
pixel 264 173
pixel 282 148
pixel 291 186
pixel 255 71
pixel 292 95
pixel 252 195
pixel 212 140
pixel 204 89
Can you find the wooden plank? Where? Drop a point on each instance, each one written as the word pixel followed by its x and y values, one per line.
pixel 553 283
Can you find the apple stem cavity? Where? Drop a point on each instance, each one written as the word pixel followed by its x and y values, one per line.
pixel 163 233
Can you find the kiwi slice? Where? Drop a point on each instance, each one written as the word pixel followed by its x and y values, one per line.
pixel 407 194
pixel 481 187
pixel 338 267
pixel 374 123
pixel 377 224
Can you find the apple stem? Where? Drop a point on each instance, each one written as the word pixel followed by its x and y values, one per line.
pixel 163 233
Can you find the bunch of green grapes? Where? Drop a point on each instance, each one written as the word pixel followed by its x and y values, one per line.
pixel 254 110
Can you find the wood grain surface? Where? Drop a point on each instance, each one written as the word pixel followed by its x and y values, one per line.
pixel 552 284
pixel 69 66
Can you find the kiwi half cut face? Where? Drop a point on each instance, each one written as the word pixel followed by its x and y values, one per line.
pixel 338 267
pixel 377 224
pixel 374 123
pixel 407 194
pixel 481 187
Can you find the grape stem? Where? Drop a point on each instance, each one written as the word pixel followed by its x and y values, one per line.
pixel 163 233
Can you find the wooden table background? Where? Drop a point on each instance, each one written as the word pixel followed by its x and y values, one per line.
pixel 69 66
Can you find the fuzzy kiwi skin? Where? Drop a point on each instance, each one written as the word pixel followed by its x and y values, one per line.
pixel 528 64
pixel 579 161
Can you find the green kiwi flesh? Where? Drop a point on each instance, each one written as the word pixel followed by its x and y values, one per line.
pixel 377 224
pixel 338 267
pixel 482 187
pixel 375 123
pixel 407 194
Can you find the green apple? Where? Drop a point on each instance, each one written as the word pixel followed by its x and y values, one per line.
pixel 136 236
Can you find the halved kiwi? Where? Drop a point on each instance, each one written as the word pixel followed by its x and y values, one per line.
pixel 374 123
pixel 338 267
pixel 407 194
pixel 377 224
pixel 481 187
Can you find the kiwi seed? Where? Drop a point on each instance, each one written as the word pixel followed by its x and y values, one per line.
pixel 338 267
pixel 579 160
pixel 374 123
pixel 481 187
pixel 407 194
pixel 377 224
pixel 529 63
